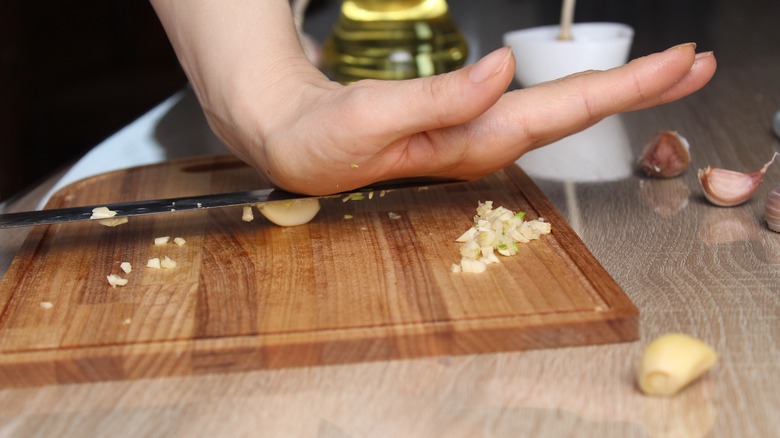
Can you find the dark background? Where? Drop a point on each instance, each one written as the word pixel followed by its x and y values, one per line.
pixel 73 73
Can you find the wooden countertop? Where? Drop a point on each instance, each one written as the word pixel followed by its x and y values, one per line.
pixel 710 272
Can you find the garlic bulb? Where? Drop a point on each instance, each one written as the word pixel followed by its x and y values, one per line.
pixel 772 209
pixel 727 188
pixel 666 155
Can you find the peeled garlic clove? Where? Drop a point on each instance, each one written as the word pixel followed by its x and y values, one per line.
pixel 727 188
pixel 671 362
pixel 290 213
pixel 666 155
pixel 772 210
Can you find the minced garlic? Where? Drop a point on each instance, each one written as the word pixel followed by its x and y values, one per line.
pixel 102 213
pixel 495 230
pixel 247 216
pixel 115 280
pixel 159 241
pixel 164 263
pixel 167 263
pixel 353 197
pixel 105 217
pixel 126 267
pixel 113 222
pixel 179 241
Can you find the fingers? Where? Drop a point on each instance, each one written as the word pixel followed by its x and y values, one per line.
pixel 701 72
pixel 424 104
pixel 549 111
pixel 461 124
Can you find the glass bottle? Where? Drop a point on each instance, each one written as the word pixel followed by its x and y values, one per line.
pixel 393 39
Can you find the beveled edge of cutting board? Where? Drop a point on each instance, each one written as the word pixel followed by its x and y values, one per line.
pixel 254 353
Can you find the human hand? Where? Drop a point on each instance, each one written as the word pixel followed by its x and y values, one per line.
pixel 326 138
pixel 307 134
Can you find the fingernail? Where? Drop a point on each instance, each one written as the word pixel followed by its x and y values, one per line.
pixel 490 65
pixel 682 46
pixel 700 56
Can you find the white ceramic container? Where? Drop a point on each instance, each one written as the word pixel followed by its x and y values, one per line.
pixel 541 56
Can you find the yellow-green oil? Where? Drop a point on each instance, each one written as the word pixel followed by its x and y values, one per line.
pixel 393 39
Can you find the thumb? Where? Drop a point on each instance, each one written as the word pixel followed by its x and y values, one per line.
pixel 423 104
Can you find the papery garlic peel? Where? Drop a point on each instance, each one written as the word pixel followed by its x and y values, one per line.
pixel 772 209
pixel 728 188
pixel 666 155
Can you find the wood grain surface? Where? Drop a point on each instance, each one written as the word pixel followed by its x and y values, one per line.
pixel 254 295
pixel 688 266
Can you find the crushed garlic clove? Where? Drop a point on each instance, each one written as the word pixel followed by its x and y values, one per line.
pixel 290 213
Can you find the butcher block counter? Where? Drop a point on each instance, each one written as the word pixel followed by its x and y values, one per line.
pixel 642 257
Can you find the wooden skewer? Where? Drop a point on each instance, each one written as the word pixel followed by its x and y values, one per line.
pixel 567 17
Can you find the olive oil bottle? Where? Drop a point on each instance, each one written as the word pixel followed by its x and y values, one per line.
pixel 393 39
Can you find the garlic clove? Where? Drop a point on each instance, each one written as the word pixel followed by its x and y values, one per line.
pixel 772 210
pixel 728 188
pixel 671 362
pixel 290 213
pixel 667 155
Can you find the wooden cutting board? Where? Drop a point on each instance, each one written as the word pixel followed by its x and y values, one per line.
pixel 253 295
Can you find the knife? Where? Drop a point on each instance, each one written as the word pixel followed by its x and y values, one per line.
pixel 777 124
pixel 186 203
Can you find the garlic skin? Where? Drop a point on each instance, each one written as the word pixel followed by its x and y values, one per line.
pixel 772 210
pixel 728 188
pixel 667 155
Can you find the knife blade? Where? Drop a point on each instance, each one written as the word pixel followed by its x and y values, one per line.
pixel 188 203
